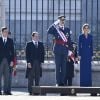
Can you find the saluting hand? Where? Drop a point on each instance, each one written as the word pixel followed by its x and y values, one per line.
pixel 56 22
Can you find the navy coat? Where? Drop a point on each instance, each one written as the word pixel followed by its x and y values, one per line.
pixel 52 30
pixel 86 53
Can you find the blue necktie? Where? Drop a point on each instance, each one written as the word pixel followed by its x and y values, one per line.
pixel 4 41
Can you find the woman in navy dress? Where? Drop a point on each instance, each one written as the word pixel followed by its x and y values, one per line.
pixel 85 55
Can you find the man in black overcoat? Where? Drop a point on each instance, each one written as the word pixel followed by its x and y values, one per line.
pixel 34 58
pixel 6 61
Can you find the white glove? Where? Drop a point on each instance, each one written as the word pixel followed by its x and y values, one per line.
pixel 29 65
pixel 56 22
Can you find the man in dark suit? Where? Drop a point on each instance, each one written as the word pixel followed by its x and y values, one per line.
pixel 13 68
pixel 6 60
pixel 61 47
pixel 34 57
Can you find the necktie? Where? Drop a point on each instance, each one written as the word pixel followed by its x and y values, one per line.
pixel 36 44
pixel 4 41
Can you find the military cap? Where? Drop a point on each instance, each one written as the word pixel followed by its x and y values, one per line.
pixel 61 16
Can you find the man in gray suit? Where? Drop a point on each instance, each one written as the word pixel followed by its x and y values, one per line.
pixel 6 60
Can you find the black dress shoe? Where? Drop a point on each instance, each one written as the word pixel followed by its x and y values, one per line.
pixel 0 93
pixel 36 93
pixel 61 84
pixel 63 94
pixel 30 93
pixel 7 93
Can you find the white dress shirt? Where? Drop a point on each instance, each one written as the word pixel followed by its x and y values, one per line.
pixel 4 39
pixel 35 42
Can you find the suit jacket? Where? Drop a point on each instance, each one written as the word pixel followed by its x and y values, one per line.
pixel 7 50
pixel 31 55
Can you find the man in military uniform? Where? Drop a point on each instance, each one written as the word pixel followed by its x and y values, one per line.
pixel 61 47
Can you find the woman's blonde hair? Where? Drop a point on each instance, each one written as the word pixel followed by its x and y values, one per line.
pixel 84 25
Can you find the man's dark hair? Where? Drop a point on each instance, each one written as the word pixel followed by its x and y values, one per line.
pixel 3 28
pixel 34 33
pixel 61 16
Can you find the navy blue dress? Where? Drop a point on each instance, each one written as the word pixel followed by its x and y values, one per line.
pixel 86 53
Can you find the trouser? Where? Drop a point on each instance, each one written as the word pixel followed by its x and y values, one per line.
pixel 10 78
pixel 34 76
pixel 60 61
pixel 4 71
pixel 69 81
